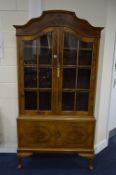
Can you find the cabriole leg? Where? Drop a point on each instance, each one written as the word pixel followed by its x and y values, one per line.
pixel 90 157
pixel 20 157
pixel 90 163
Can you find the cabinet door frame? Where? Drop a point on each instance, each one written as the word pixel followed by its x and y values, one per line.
pixel 21 72
pixel 93 75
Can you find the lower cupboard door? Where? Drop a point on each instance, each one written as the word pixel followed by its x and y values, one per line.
pixel 74 135
pixel 35 134
pixel 56 134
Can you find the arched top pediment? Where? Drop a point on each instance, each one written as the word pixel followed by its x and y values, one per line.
pixel 58 18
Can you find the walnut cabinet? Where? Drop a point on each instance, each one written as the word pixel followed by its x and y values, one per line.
pixel 57 68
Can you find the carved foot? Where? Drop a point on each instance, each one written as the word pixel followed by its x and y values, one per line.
pixel 90 156
pixel 90 163
pixel 20 157
pixel 20 164
pixel 91 167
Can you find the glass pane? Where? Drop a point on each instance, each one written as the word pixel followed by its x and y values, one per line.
pixel 83 79
pixel 45 100
pixel 46 40
pixel 82 101
pixel 69 77
pixel 30 100
pixel 85 57
pixel 45 56
pixel 70 40
pixel 30 52
pixel 30 77
pixel 45 48
pixel 70 49
pixel 87 45
pixel 68 101
pixel 45 77
pixel 70 57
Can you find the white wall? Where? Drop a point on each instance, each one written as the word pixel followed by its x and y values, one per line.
pixel 98 13
pixel 11 12
pixel 112 111
pixel 35 8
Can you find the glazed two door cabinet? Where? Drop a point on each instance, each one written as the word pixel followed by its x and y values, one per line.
pixel 57 68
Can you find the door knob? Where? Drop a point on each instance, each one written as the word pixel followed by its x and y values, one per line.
pixel 55 56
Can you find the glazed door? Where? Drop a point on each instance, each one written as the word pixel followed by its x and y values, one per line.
pixel 39 90
pixel 77 66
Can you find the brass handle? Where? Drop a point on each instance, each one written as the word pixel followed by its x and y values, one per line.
pixel 58 71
